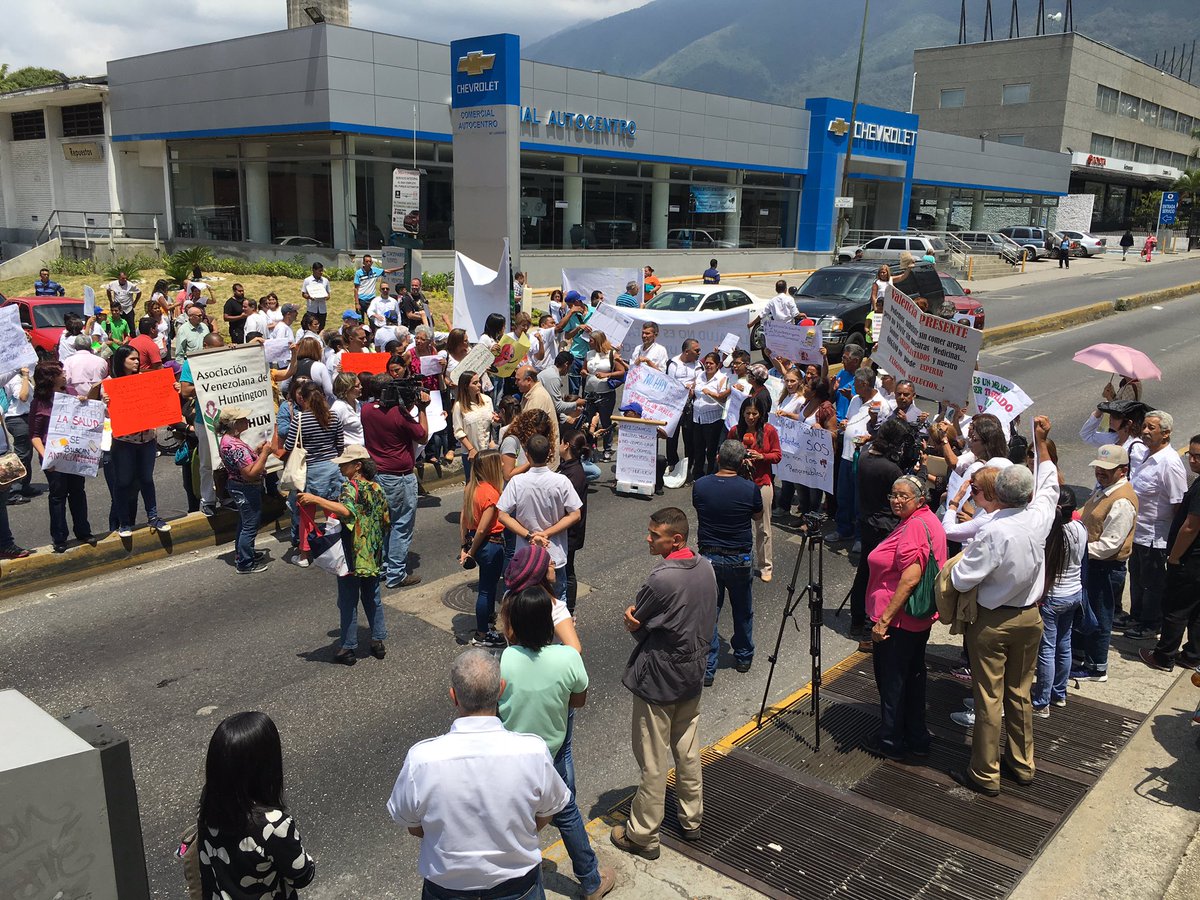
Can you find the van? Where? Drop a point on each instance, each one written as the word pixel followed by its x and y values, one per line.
pixel 890 246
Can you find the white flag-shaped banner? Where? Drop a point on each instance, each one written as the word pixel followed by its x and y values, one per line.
pixel 611 281
pixel 479 292
pixel 999 396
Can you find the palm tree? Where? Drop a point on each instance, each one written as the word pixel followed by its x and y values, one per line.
pixel 1188 185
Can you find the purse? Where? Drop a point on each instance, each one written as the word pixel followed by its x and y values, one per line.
pixel 189 854
pixel 295 470
pixel 12 469
pixel 922 602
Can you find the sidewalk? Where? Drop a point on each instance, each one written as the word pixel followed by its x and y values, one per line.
pixel 1047 271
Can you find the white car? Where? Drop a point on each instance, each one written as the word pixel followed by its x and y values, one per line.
pixel 1089 244
pixel 890 246
pixel 710 298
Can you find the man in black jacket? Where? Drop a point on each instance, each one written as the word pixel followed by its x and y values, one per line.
pixel 672 619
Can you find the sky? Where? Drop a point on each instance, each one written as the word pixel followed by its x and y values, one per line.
pixel 84 34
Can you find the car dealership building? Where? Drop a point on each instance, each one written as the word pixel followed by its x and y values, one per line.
pixel 291 137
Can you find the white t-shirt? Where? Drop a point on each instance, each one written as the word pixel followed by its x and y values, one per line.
pixel 858 416
pixel 781 308
pixel 379 308
pixel 317 291
pixel 280 331
pixel 17 406
pixel 537 498
pixel 351 421
pixel 655 353
pixel 705 409
pixel 274 316
pixel 257 322
pixel 684 373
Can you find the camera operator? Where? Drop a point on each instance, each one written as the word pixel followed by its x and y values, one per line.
pixel 391 433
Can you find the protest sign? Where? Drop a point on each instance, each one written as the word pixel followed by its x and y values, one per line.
pixel 479 292
pixel 799 343
pixel 733 407
pixel 89 301
pixel 234 377
pixel 662 397
pixel 938 356
pixel 74 436
pixel 813 464
pixel 478 360
pixel 278 351
pixel 709 328
pixel 15 350
pixel 512 354
pixel 614 322
pixel 877 326
pixel 435 415
pixel 373 363
pixel 611 281
pixel 637 453
pixel 429 365
pixel 141 402
pixel 791 434
pixel 726 347
pixel 999 396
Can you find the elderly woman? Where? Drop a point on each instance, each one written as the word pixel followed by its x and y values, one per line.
pixel 245 466
pixel 897 565
pixel 603 368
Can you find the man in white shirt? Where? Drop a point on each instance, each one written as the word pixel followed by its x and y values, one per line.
pixel 866 410
pixel 651 353
pixel 315 291
pixel 1006 563
pixel 683 368
pixel 1160 481
pixel 123 295
pixel 377 311
pixel 282 330
pixel 780 308
pixel 479 833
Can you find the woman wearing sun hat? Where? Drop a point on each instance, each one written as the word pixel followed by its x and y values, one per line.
pixel 245 466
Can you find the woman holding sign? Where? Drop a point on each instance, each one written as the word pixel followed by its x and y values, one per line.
pixel 605 370
pixel 709 392
pixel 762 451
pixel 245 466
pixel 66 489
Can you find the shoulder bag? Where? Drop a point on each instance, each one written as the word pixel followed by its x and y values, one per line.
pixel 12 469
pixel 189 854
pixel 922 602
pixel 295 470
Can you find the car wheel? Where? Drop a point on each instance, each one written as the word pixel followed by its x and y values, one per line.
pixel 1029 255
pixel 857 338
pixel 756 337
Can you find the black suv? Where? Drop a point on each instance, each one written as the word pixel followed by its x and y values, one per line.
pixel 839 298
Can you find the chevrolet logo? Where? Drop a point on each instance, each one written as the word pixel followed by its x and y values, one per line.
pixel 476 62
pixel 838 126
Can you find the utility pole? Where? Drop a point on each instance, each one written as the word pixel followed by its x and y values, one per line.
pixel 862 43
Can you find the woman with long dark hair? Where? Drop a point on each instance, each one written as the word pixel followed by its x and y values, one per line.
pixel 555 305
pixel 483 541
pixel 1065 550
pixel 472 419
pixel 761 441
pixel 65 489
pixel 250 848
pixel 709 392
pixel 133 457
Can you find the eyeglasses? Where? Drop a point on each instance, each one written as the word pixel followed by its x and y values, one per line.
pixel 1193 455
pixel 903 497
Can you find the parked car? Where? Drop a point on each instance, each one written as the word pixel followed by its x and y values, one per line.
pixel 838 298
pixel 44 316
pixel 710 298
pixel 993 242
pixel 967 309
pixel 298 240
pixel 1089 244
pixel 889 246
pixel 1039 240
pixel 695 239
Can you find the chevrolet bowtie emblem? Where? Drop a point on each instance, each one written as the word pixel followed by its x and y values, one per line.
pixel 476 62
pixel 838 126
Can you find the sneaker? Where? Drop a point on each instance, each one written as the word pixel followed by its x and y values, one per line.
pixel 125 531
pixel 302 561
pixel 60 548
pixel 1061 701
pixel 14 552
pixel 965 718
pixel 1154 661
pixel 159 525
pixel 1089 675
pixel 1042 712
pixel 962 673
pixel 209 509
pixel 260 555
pixel 488 639
pixel 255 568
pixel 17 499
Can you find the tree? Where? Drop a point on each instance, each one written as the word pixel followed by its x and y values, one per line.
pixel 28 77
pixel 1188 185
pixel 1146 214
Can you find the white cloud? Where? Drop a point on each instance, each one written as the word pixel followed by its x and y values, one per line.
pixel 80 36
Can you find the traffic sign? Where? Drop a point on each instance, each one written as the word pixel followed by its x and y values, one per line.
pixel 843 203
pixel 1168 207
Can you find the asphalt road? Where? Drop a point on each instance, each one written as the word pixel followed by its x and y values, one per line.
pixel 165 651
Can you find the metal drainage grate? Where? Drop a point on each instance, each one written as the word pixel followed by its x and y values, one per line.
pixel 787 740
pixel 461 598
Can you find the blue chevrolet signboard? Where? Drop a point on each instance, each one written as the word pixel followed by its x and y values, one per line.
pixel 1168 208
pixel 485 71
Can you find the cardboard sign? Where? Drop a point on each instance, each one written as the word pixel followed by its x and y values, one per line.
pixel 478 360
pixel 637 453
pixel 999 396
pixel 234 377
pixel 278 351
pixel 512 354
pixel 373 363
pixel 141 402
pixel 799 343
pixel 938 356
pixel 733 407
pixel 614 322
pixel 73 439
pixel 662 396
pixel 429 365
pixel 814 463
pixel 15 350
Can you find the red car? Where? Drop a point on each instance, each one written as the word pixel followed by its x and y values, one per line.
pixel 966 308
pixel 43 319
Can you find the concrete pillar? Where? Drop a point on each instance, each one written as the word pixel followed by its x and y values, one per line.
pixel 257 200
pixel 660 196
pixel 941 214
pixel 345 204
pixel 977 211
pixel 573 195
pixel 733 220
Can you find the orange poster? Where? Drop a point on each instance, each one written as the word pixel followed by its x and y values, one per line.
pixel 140 402
pixel 374 363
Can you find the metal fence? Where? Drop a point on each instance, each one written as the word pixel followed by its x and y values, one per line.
pixel 101 227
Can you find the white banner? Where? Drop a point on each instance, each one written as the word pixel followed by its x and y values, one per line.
pixel 733 407
pixel 938 356
pixel 999 396
pixel 237 377
pixel 89 301
pixel 15 350
pixel 74 436
pixel 611 281
pixel 799 343
pixel 637 453
pixel 614 322
pixel 814 463
pixel 674 328
pixel 479 292
pixel 406 201
pixel 662 396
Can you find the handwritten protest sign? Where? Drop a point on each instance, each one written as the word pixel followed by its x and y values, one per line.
pixel 89 300
pixel 813 464
pixel 637 453
pixel 999 396
pixel 373 363
pixel 512 354
pixel 235 377
pixel 141 402
pixel 278 351
pixel 15 350
pixel 938 356
pixel 790 431
pixel 74 436
pixel 429 365
pixel 733 407
pixel 614 322
pixel 676 327
pixel 662 396
pixel 478 360
pixel 799 343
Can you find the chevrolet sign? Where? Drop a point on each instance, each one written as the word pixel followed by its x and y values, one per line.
pixel 869 131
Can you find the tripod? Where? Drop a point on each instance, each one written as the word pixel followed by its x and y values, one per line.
pixel 814 543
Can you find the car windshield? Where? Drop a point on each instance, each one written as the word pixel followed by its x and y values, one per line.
pixel 844 283
pixel 937 243
pixel 676 301
pixel 950 286
pixel 50 315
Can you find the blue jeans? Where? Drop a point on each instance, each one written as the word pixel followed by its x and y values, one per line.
pixel 575 378
pixel 134 465
pixel 351 590
pixel 590 470
pixel 248 498
pixel 401 494
pixel 527 887
pixel 1105 583
pixel 847 500
pixel 491 566
pixel 734 574
pixel 321 478
pixel 1054 654
pixel 570 823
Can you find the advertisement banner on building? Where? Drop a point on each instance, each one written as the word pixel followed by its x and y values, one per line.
pixel 234 377
pixel 713 198
pixel 406 201
pixel 937 355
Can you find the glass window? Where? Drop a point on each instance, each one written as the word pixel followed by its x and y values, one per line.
pixel 613 214
pixel 1015 94
pixel 544 212
pixel 953 98
pixel 1179 160
pixel 549 162
pixel 1102 145
pixel 1144 154
pixel 1015 140
pixel 720 176
pixel 618 167
pixel 1149 113
pixel 208 201
pixel 203 150
pixel 1166 119
pixel 875 244
pixel 1162 157
pixel 734 299
pixel 386 148
pixel 83 120
pixel 1183 124
pixel 300 202
pixel 1124 149
pixel 1106 98
pixel 1129 106
pixel 29 125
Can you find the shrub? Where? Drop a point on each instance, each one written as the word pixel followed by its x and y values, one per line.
pixel 179 264
pixel 438 281
pixel 62 265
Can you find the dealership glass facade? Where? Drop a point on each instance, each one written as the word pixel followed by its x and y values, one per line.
pixel 958 208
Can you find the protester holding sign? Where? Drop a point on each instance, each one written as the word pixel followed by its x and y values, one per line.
pixel 788 408
pixel 605 370
pixel 66 489
pixel 709 391
pixel 762 451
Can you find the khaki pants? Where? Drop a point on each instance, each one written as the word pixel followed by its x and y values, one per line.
pixel 660 733
pixel 1003 644
pixel 762 533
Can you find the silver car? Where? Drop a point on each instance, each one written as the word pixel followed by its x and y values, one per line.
pixel 1089 244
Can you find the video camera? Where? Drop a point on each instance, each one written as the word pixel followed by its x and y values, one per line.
pixel 402 392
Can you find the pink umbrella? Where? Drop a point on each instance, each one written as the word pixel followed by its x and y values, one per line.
pixel 1119 360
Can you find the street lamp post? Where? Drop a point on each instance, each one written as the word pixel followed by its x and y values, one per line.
pixel 862 43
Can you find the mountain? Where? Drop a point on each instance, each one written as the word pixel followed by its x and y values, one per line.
pixel 783 51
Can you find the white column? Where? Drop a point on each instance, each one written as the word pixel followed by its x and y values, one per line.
pixel 733 220
pixel 573 195
pixel 344 205
pixel 258 194
pixel 660 196
pixel 941 215
pixel 977 211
